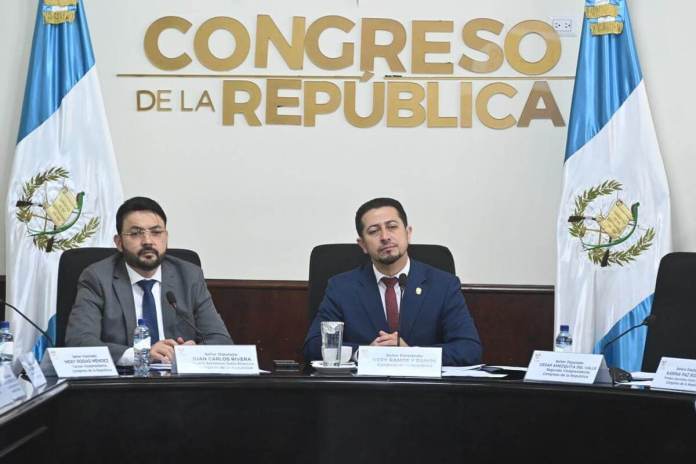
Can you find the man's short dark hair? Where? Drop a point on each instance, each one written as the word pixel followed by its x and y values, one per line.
pixel 138 204
pixel 374 204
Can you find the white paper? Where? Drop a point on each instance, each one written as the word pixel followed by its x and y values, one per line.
pixel 10 384
pixel 467 371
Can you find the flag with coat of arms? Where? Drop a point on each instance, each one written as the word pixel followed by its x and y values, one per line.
pixel 614 220
pixel 64 187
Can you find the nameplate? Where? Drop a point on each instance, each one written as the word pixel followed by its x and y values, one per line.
pixel 216 359
pixel 578 368
pixel 394 361
pixel 675 374
pixel 10 384
pixel 32 369
pixel 90 361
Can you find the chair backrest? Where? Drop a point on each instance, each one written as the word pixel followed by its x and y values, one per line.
pixel 329 260
pixel 73 262
pixel 673 331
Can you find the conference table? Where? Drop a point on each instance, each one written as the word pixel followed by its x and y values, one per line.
pixel 308 418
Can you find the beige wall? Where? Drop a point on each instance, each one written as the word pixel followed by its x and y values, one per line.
pixel 254 201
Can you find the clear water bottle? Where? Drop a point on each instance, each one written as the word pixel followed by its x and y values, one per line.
pixel 6 342
pixel 141 349
pixel 564 341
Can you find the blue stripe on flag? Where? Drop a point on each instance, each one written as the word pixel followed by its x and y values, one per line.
pixel 42 342
pixel 627 352
pixel 61 54
pixel 608 70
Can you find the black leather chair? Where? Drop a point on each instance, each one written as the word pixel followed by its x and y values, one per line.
pixel 73 262
pixel 329 260
pixel 673 332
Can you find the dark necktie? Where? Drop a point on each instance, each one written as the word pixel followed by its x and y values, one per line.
pixel 390 303
pixel 149 309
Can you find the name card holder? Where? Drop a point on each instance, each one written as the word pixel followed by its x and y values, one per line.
pixel 675 374
pixel 215 359
pixel 10 385
pixel 76 362
pixel 575 368
pixel 394 361
pixel 31 367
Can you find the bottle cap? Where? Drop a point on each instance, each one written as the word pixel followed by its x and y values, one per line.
pixel 565 328
pixel 141 322
pixel 5 325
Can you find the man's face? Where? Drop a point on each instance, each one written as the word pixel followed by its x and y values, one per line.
pixel 384 236
pixel 143 240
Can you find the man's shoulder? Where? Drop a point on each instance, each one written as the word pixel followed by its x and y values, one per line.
pixel 348 277
pixel 432 272
pixel 180 265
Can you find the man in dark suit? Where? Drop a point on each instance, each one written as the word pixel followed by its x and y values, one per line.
pixel 133 284
pixel 432 311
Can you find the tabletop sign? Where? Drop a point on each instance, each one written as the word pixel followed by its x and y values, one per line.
pixel 90 361
pixel 675 374
pixel 394 361
pixel 215 359
pixel 578 368
pixel 9 383
pixel 31 367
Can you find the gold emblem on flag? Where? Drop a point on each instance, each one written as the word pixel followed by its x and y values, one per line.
pixel 53 213
pixel 605 18
pixel 59 11
pixel 605 236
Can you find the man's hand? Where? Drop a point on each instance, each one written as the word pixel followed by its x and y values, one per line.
pixel 388 339
pixel 163 351
pixel 180 341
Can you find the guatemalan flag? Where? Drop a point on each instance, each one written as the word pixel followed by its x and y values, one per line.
pixel 614 218
pixel 64 188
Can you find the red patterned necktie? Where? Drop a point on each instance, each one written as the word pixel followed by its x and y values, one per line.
pixel 390 303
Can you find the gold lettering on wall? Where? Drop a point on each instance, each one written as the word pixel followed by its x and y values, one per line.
pixel 231 106
pixel 312 107
pixel 274 102
pixel 267 32
pixel 313 50
pixel 411 104
pixel 546 32
pixel 241 43
pixel 484 97
pixel 420 47
pixel 541 92
pixel 350 105
pixel 151 43
pixel 369 50
pixel 474 41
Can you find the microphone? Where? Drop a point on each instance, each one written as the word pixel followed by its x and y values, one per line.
pixel 43 332
pixel 618 374
pixel 403 280
pixel 181 314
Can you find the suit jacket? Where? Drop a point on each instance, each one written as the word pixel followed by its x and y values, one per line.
pixel 433 313
pixel 104 311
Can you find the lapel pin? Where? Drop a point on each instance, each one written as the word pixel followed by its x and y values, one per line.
pixel 418 291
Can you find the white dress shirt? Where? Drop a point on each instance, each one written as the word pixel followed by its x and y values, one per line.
pixel 383 287
pixel 127 357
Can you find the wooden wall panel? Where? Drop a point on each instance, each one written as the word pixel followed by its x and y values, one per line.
pixel 512 321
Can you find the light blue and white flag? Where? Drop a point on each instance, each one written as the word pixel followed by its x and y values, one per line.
pixel 64 188
pixel 614 218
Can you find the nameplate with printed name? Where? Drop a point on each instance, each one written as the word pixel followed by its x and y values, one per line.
pixel 10 384
pixel 394 361
pixel 577 368
pixel 675 374
pixel 215 359
pixel 31 367
pixel 89 361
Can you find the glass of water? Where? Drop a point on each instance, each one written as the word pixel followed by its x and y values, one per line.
pixel 331 342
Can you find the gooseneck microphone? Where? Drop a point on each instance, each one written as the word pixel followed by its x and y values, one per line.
pixel 43 332
pixel 403 280
pixel 647 321
pixel 618 374
pixel 181 314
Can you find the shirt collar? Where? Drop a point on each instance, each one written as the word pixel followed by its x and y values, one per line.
pixel 135 277
pixel 405 270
